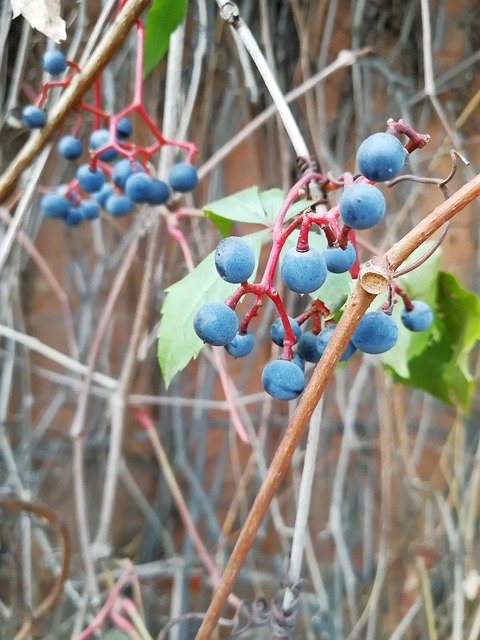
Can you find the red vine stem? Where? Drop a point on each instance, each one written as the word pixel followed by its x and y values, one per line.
pixel 358 303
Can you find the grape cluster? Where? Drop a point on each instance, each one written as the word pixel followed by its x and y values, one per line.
pixel 113 179
pixel 304 269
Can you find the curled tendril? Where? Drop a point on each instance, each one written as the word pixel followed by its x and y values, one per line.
pixel 49 519
pixel 426 255
pixel 307 164
pixel 256 613
pixel 440 182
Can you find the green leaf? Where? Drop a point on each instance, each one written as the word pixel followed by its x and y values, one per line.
pixel 162 19
pixel 441 368
pixel 177 341
pixel 253 206
pixel 223 225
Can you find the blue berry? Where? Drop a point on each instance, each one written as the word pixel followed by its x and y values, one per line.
pixel 33 117
pixel 124 128
pixel 103 195
pixel 215 323
pixel 376 332
pixel 159 192
pixel 419 318
pixel 90 180
pixel 74 217
pixel 54 62
pixel 307 347
pixel 234 259
pixel 340 260
pixel 277 333
pixel 283 379
pixel 362 206
pixel 118 205
pixel 183 177
pixel 137 186
pixel 303 271
pixel 90 209
pixel 70 147
pixel 122 170
pixel 323 339
pixel 381 157
pixel 299 361
pixel 241 345
pixel 54 206
pixel 99 138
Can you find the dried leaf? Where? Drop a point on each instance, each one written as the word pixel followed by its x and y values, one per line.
pixel 43 15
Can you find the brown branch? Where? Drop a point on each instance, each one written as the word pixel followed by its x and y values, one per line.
pixel 50 519
pixel 105 51
pixel 358 303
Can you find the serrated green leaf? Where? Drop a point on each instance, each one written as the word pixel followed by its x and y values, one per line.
pixel 162 19
pixel 253 206
pixel 441 368
pixel 177 341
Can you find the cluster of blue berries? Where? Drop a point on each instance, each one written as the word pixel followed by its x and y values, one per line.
pixel 130 183
pixel 304 269
pixel 117 188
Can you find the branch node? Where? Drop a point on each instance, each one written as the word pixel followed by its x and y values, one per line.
pixel 374 276
pixel 229 12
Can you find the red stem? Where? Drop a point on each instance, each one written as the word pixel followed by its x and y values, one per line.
pixel 407 302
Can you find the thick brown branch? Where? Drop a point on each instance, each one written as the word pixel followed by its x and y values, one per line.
pixel 358 303
pixel 105 51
